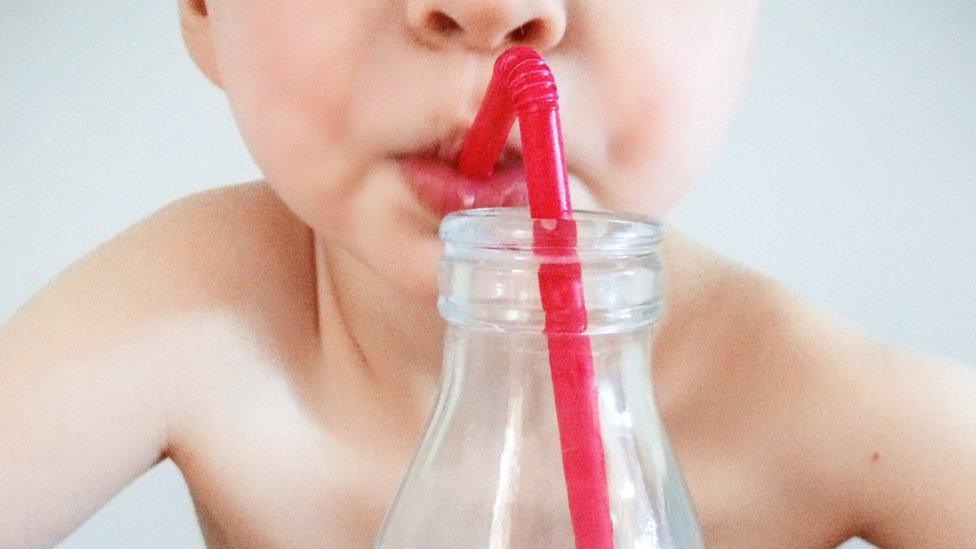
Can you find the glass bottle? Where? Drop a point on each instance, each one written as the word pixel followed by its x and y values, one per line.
pixel 488 472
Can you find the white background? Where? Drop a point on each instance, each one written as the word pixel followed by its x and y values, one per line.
pixel 849 173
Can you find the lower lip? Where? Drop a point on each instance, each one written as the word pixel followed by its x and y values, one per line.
pixel 442 189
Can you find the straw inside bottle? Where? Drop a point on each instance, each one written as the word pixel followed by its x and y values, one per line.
pixel 523 86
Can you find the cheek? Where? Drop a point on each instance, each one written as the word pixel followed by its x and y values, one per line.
pixel 668 102
pixel 286 68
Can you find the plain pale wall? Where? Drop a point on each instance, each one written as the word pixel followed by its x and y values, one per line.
pixel 849 171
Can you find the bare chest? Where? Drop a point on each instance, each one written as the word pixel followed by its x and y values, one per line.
pixel 307 495
pixel 298 512
pixel 268 470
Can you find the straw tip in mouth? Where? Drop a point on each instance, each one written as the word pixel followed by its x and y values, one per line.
pixel 448 151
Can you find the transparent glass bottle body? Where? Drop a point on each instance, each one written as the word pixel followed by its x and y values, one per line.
pixel 488 472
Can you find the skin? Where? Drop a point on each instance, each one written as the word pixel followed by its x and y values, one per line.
pixel 279 340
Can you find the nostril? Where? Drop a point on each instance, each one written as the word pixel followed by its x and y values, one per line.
pixel 442 23
pixel 528 33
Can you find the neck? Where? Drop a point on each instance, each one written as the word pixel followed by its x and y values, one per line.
pixel 389 345
pixel 372 332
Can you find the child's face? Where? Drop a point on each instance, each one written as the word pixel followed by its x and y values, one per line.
pixel 336 98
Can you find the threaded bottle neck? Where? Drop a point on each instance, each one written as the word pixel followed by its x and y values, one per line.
pixel 490 268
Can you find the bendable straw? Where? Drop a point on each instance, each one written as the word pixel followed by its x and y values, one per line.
pixel 523 85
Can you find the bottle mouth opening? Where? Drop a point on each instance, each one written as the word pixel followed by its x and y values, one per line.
pixel 513 229
pixel 489 274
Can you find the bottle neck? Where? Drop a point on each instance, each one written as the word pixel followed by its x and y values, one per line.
pixel 493 266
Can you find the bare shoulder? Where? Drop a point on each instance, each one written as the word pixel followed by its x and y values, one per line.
pixel 101 371
pixel 232 266
pixel 176 288
pixel 229 240
pixel 234 250
pixel 747 376
pixel 841 434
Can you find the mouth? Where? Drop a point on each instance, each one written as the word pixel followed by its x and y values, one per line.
pixel 432 176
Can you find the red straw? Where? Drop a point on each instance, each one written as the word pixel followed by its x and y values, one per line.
pixel 522 84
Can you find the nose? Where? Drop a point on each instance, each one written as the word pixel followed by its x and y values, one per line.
pixel 487 25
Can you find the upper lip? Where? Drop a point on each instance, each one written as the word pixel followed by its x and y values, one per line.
pixel 447 149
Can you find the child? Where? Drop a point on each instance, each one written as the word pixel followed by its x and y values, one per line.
pixel 279 340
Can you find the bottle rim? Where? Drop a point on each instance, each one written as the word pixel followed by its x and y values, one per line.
pixel 512 229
